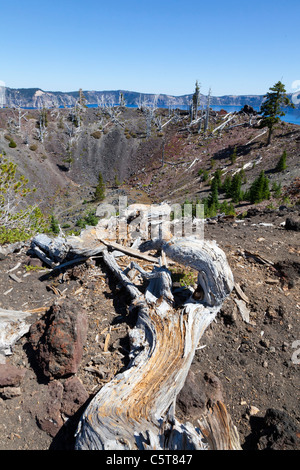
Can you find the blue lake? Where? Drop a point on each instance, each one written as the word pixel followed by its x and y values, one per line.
pixel 291 115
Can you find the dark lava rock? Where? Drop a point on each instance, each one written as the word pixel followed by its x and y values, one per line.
pixel 292 224
pixel 48 415
pixel 10 375
pixel 253 212
pixel 74 396
pixel 278 432
pixel 60 399
pixel 198 390
pixel 58 339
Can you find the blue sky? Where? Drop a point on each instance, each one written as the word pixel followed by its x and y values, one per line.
pixel 233 47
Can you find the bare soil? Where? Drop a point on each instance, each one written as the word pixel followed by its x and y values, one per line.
pixel 255 362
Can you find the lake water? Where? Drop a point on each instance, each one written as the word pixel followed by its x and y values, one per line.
pixel 291 115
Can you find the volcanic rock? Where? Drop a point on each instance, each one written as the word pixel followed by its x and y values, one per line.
pixel 58 339
pixel 10 375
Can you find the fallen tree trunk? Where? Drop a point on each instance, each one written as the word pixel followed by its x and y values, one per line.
pixel 136 410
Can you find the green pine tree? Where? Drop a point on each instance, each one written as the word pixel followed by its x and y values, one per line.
pixel 213 198
pixel 281 165
pixel 217 178
pixel 259 189
pixel 100 189
pixel 271 108
pixel 236 188
pixel 233 156
pixel 18 220
pixel 226 186
pixel 54 225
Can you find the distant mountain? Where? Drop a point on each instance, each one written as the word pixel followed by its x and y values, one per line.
pixel 37 98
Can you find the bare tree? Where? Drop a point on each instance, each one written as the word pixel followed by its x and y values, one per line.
pixel 42 125
pixel 18 114
pixel 207 112
pixel 122 102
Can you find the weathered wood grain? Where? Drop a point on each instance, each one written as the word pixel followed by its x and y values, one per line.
pixel 136 410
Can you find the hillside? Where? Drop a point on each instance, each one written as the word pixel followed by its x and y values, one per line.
pixel 249 363
pixel 164 161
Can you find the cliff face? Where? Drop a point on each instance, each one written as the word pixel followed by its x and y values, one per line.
pixel 37 98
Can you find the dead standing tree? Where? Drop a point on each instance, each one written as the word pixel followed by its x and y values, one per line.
pixel 42 124
pixel 207 112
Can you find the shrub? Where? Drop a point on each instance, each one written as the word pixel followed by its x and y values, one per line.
pixel 204 174
pixel 96 134
pixel 12 144
pixel 233 156
pixel 89 219
pixel 18 221
pixel 227 208
pixel 54 226
pixel 276 188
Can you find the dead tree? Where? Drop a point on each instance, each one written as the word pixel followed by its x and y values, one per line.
pixel 42 125
pixel 200 120
pixel 136 409
pixel 20 115
pixel 207 112
pixel 195 102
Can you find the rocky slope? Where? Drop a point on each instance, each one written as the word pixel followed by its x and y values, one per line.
pixel 163 162
pixel 252 364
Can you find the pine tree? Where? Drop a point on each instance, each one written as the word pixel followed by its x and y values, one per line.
pixel 213 198
pixel 54 225
pixel 271 108
pixel 226 186
pixel 259 189
pixel 217 178
pixel 233 156
pixel 281 165
pixel 236 188
pixel 100 189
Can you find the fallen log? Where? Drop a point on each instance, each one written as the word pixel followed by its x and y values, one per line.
pixel 136 409
pixel 12 327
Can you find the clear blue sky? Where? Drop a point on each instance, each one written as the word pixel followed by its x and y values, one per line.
pixel 231 46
